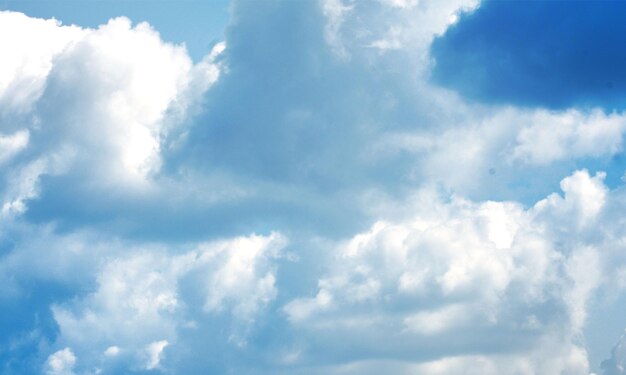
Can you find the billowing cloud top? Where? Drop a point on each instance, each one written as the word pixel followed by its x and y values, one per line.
pixel 338 187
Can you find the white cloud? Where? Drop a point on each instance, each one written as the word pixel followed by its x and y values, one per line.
pixel 23 185
pixel 12 144
pixel 244 282
pixel 28 47
pixel 407 24
pixel 573 363
pixel 584 199
pixel 154 352
pixel 99 105
pixel 562 359
pixel 302 309
pixel 116 86
pixel 552 136
pixel 335 12
pixel 402 3
pixel 493 151
pixel 458 270
pixel 112 351
pixel 438 284
pixel 133 306
pixel 138 307
pixel 437 321
pixel 61 362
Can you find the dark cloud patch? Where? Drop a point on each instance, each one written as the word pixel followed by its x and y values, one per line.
pixel 537 53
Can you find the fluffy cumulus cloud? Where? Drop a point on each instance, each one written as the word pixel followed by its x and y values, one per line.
pixel 29 57
pixel 61 362
pixel 306 198
pixel 460 275
pixel 95 105
pixel 143 300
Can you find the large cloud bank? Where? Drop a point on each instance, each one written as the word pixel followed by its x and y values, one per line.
pixel 302 200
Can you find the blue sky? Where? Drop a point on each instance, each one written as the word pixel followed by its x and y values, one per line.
pixel 544 54
pixel 312 187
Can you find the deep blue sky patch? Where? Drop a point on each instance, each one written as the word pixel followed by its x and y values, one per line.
pixel 537 53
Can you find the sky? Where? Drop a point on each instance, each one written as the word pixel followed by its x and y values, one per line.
pixel 312 187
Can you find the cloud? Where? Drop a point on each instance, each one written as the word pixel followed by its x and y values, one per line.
pixel 28 57
pixel 572 361
pixel 61 362
pixel 117 92
pixel 144 300
pixel 12 144
pixel 550 137
pixel 461 276
pixel 154 352
pixel 418 230
pixel 112 351
pixel 302 137
pixel 515 150
pixel 91 107
pixel 238 283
